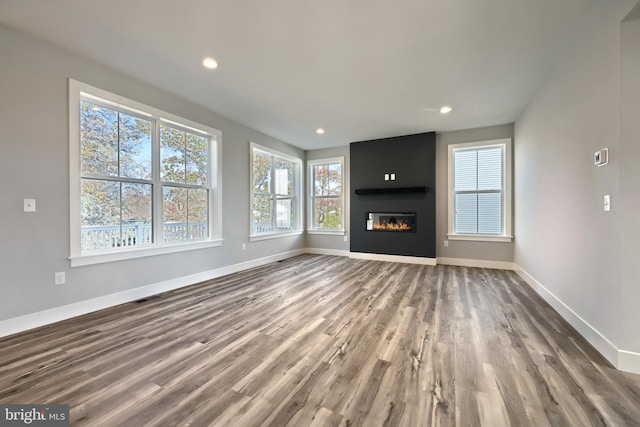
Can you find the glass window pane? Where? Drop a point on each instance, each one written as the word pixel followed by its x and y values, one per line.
pixel 99 214
pixel 490 168
pixel 172 154
pixel 198 212
pixel 98 140
pixel 466 213
pixel 327 179
pixel 135 147
pixel 262 213
pixel 99 202
pixel 465 170
pixel 334 185
pixel 320 180
pixel 284 214
pixel 261 173
pixel 327 213
pixel 136 214
pixel 174 213
pixel 490 213
pixel 197 159
pixel 284 177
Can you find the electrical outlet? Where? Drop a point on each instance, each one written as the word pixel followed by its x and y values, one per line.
pixel 60 278
pixel 446 243
pixel 346 238
pixel 244 246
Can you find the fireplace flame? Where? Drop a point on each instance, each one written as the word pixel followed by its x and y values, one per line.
pixel 386 226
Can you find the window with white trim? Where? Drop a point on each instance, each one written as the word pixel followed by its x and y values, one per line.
pixel 275 193
pixel 480 191
pixel 326 201
pixel 143 181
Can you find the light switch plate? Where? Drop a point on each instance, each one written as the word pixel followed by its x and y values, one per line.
pixel 29 205
pixel 60 278
pixel 601 158
pixel 607 203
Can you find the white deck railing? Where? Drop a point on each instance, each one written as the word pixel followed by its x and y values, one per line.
pixel 98 237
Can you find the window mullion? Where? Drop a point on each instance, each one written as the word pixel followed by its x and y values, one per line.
pixel 272 190
pixel 157 189
pixel 477 189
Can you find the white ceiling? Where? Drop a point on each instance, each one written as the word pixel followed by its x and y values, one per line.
pixel 361 69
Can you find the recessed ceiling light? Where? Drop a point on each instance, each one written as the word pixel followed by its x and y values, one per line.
pixel 445 110
pixel 319 131
pixel 210 63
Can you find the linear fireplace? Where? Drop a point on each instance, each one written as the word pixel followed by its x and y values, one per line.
pixel 392 222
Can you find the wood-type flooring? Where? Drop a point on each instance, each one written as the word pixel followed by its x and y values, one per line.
pixel 324 341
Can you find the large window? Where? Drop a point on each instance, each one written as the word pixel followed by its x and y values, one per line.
pixel 326 203
pixel 275 193
pixel 480 191
pixel 142 181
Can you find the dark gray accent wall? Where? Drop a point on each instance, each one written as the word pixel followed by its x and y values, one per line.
pixel 412 158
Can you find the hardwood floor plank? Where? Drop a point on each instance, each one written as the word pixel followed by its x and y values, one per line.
pixel 324 341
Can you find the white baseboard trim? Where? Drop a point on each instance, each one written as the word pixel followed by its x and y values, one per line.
pixel 333 252
pixel 393 258
pixel 629 361
pixel 623 360
pixel 499 265
pixel 57 314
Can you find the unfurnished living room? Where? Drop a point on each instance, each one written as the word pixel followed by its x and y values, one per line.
pixel 339 213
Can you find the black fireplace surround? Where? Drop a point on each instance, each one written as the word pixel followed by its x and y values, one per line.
pixel 411 160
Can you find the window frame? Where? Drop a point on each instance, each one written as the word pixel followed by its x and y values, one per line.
pixel 311 197
pixel 79 91
pixel 297 194
pixel 507 177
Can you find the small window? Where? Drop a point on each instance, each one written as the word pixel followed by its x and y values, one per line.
pixel 326 202
pixel 480 191
pixel 142 180
pixel 275 193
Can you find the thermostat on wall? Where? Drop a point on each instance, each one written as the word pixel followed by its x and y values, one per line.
pixel 601 158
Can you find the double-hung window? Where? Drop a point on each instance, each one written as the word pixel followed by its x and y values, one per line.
pixel 275 193
pixel 326 202
pixel 480 191
pixel 143 181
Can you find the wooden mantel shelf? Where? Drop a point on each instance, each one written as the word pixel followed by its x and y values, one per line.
pixel 391 190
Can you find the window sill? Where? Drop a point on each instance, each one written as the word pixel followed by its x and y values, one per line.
pixel 326 232
pixel 480 238
pixel 275 235
pixel 102 257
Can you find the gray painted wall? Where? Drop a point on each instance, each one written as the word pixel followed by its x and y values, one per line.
pixel 564 238
pixel 34 164
pixel 630 182
pixel 486 251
